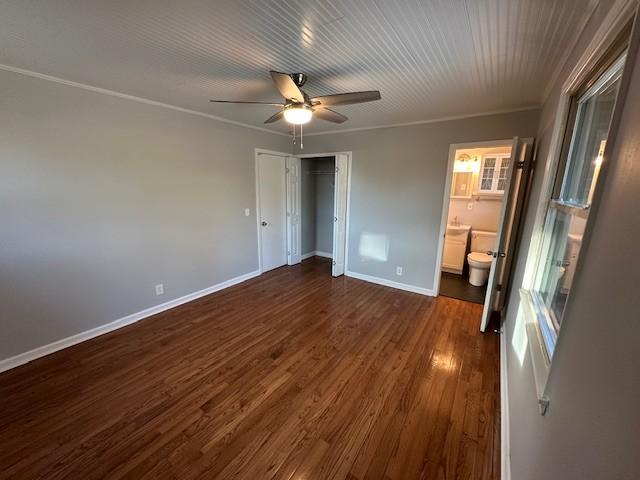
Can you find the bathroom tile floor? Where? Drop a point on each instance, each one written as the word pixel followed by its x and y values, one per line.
pixel 458 286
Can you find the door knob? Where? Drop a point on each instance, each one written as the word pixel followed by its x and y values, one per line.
pixel 264 224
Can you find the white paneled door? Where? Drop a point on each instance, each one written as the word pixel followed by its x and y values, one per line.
pixel 294 204
pixel 508 224
pixel 272 200
pixel 340 215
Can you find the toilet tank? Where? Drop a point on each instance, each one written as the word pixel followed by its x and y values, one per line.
pixel 482 241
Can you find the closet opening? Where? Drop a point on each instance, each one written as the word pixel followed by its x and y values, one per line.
pixel 317 199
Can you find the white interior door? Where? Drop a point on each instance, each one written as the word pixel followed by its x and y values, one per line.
pixel 504 230
pixel 272 198
pixel 340 215
pixel 294 204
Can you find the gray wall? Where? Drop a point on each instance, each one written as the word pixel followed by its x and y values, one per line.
pixel 101 198
pixel 325 190
pixel 317 197
pixel 308 206
pixel 592 428
pixel 398 177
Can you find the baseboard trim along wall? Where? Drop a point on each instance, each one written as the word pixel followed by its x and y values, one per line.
pixel 505 460
pixel 316 254
pixel 390 283
pixel 22 358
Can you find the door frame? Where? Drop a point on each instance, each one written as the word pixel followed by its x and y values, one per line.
pixel 446 199
pixel 257 153
pixel 349 155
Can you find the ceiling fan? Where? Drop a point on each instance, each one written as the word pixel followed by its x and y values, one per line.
pixel 298 108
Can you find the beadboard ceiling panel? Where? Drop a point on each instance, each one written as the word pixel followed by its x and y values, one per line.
pixel 430 59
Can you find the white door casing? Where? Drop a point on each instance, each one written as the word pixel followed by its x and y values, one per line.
pixel 340 214
pixel 294 205
pixel 272 210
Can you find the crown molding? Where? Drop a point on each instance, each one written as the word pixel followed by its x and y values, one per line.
pixel 147 101
pixel 104 91
pixel 434 120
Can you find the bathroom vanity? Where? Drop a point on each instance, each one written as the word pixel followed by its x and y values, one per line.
pixel 455 248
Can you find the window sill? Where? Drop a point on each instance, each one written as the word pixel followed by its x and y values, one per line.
pixel 539 360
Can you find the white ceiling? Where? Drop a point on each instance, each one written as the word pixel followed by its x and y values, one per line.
pixel 429 58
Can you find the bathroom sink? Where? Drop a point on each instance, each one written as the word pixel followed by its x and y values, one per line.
pixel 458 230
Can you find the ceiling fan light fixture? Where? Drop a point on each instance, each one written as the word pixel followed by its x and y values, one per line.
pixel 297 114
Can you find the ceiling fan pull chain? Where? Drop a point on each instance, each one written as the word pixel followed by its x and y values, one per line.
pixel 301 139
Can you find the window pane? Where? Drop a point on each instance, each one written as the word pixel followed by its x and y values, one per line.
pixel 487 173
pixel 563 244
pixel 502 177
pixel 589 138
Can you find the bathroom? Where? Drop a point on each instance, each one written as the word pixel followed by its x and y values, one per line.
pixel 476 197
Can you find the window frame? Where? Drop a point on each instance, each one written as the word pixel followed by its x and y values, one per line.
pixel 546 323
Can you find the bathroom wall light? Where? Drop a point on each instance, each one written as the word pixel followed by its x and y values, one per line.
pixel 465 163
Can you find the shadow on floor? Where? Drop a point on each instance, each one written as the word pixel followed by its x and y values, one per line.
pixel 458 286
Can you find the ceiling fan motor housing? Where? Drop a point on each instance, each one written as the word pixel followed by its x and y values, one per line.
pixel 299 78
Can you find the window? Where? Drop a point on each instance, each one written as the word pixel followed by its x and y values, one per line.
pixel 568 211
pixel 493 174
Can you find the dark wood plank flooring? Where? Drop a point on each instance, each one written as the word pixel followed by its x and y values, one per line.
pixel 292 375
pixel 458 286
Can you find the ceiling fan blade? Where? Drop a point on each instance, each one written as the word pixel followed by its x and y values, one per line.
pixel 346 98
pixel 275 118
pixel 329 115
pixel 287 87
pixel 249 103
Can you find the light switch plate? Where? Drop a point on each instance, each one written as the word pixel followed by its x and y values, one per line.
pixel 247 212
pixel 159 289
pixel 470 206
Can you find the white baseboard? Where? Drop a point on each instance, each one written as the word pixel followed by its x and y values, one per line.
pixel 505 455
pixel 26 357
pixel 390 283
pixel 316 254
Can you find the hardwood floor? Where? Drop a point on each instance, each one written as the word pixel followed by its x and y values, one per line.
pixel 292 375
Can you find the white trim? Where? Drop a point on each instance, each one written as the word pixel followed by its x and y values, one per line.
pixel 22 358
pixel 349 154
pixel 113 93
pixel 446 197
pixel 104 91
pixel 435 120
pixel 617 17
pixel 390 283
pixel 505 436
pixel 316 253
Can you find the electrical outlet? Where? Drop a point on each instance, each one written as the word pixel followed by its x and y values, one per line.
pixel 159 289
pixel 247 212
pixel 399 271
pixel 470 206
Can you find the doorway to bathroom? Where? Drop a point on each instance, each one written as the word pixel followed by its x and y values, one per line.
pixel 484 196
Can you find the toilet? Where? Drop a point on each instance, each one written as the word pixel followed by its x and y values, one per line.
pixel 478 260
